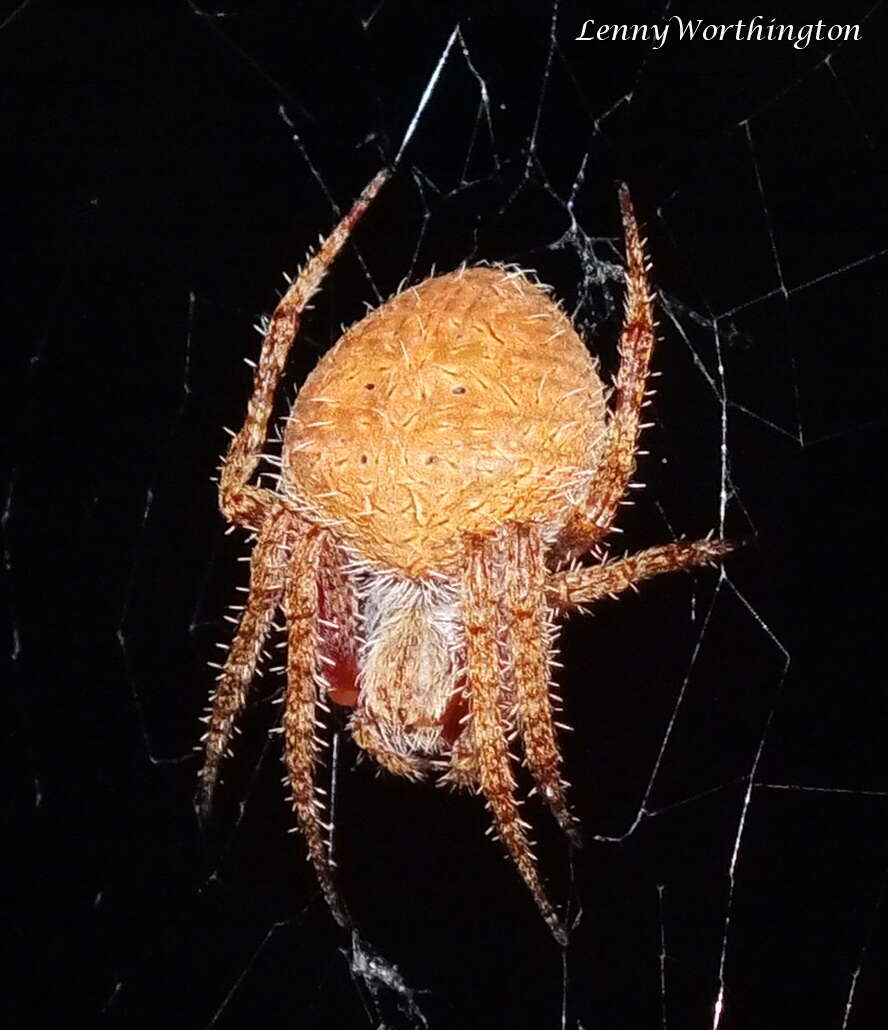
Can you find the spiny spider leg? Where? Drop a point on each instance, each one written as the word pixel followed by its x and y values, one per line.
pixel 301 744
pixel 526 618
pixel 586 584
pixel 479 613
pixel 617 465
pixel 268 566
pixel 241 503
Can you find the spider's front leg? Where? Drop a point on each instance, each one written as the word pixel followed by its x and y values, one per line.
pixel 586 584
pixel 617 464
pixel 305 684
pixel 241 503
pixel 526 615
pixel 480 587
pixel 260 509
pixel 268 567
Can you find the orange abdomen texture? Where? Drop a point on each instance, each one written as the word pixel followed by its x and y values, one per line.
pixel 460 404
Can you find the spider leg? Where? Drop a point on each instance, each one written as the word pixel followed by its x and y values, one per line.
pixel 483 675
pixel 241 503
pixel 617 465
pixel 304 686
pixel 267 571
pixel 527 621
pixel 572 588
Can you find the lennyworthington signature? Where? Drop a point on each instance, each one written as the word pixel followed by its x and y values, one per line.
pixel 752 31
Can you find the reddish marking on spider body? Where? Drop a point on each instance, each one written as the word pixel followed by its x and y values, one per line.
pixel 451 721
pixel 343 678
pixel 342 674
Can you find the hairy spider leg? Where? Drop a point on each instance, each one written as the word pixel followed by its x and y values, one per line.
pixel 305 683
pixel 586 584
pixel 260 509
pixel 615 470
pixel 527 623
pixel 241 503
pixel 268 566
pixel 480 588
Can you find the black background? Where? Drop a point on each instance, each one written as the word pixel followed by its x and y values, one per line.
pixel 155 190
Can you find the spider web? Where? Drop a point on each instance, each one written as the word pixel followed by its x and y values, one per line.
pixel 727 761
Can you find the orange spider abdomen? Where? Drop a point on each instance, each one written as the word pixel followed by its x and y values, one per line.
pixel 460 404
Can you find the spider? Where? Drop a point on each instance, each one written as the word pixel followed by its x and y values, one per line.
pixel 442 469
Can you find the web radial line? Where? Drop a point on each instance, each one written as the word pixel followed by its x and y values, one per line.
pixel 643 809
pixel 718 1007
pixel 427 92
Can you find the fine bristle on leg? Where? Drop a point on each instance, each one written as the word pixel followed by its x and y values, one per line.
pixel 267 571
pixel 528 627
pixel 480 588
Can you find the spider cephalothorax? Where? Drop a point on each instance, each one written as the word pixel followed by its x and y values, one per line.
pixel 438 466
